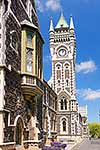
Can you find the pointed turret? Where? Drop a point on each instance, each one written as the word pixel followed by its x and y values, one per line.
pixel 51 34
pixel 71 23
pixel 51 25
pixel 62 22
pixel 72 29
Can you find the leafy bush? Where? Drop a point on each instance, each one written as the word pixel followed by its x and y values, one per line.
pixel 94 129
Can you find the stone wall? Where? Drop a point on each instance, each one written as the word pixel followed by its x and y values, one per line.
pixel 14 103
pixel 21 12
pixel 18 10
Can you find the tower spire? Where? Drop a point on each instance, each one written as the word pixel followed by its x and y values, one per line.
pixel 71 23
pixel 51 25
pixel 62 14
pixel 62 23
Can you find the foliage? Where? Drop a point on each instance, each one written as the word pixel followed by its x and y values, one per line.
pixel 94 129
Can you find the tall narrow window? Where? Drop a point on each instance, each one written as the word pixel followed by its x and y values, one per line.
pixel 66 70
pixel 29 60
pixel 61 104
pixel 19 132
pixel 66 82
pixel 64 126
pixel 65 104
pixel 59 82
pixel 58 71
pixel 29 40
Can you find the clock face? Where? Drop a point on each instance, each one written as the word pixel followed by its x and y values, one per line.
pixel 62 52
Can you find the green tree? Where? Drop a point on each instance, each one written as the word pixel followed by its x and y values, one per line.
pixel 94 129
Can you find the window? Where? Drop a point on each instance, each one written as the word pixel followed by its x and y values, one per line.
pixel 65 104
pixel 58 73
pixel 84 121
pixel 58 67
pixel 61 104
pixel 29 40
pixel 64 125
pixel 85 130
pixel 66 66
pixel 29 59
pixel 59 82
pixel 19 132
pixel 66 82
pixel 66 72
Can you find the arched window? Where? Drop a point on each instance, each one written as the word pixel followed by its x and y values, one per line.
pixel 19 132
pixel 64 125
pixel 58 71
pixel 66 66
pixel 66 72
pixel 58 66
pixel 63 103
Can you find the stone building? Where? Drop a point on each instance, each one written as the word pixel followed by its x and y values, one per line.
pixel 84 121
pixel 63 53
pixel 30 110
pixel 49 113
pixel 27 103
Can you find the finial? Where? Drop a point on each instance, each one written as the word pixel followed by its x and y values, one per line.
pixel 51 25
pixel 62 14
pixel 71 22
pixel 71 15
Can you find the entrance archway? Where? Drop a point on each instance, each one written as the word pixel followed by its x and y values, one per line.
pixel 19 131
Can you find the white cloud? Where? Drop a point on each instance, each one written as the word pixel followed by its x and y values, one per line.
pixel 89 94
pixel 86 67
pixel 40 5
pixel 52 5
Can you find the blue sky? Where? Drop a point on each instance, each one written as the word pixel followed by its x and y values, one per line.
pixel 86 15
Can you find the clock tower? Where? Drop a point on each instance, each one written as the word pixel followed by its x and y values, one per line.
pixel 63 53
